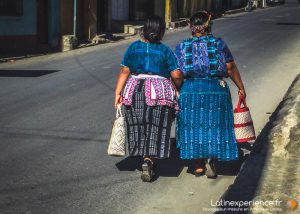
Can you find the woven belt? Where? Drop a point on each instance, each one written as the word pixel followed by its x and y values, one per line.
pixel 145 76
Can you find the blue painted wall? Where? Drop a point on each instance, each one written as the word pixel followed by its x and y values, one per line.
pixel 22 25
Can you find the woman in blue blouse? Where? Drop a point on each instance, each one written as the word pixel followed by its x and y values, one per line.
pixel 205 120
pixel 145 88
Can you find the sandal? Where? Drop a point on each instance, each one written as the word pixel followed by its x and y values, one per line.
pixel 200 168
pixel 147 170
pixel 210 169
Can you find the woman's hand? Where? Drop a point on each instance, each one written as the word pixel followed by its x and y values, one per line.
pixel 118 100
pixel 242 93
pixel 123 75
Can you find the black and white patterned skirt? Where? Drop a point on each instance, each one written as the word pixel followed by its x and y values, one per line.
pixel 147 127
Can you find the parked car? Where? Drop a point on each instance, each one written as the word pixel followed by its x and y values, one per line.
pixel 274 2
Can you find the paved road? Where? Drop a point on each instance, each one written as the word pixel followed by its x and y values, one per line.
pixel 56 116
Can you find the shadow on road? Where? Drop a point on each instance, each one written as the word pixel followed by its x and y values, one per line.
pixel 232 168
pixel 288 23
pixel 25 73
pixel 170 167
pixel 173 166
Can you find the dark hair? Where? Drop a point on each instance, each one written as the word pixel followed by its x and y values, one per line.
pixel 200 18
pixel 154 29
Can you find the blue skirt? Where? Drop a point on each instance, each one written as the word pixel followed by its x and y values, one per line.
pixel 205 121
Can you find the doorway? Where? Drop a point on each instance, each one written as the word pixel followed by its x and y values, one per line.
pixel 102 16
pixel 42 21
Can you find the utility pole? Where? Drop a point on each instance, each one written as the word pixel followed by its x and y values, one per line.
pixel 168 13
pixel 74 17
pixel 74 41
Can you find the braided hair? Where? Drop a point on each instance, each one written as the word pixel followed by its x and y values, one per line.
pixel 201 22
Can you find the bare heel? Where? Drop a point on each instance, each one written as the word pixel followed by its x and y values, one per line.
pixel 210 169
pixel 147 171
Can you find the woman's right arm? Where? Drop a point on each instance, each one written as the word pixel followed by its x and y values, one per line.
pixel 123 75
pixel 234 74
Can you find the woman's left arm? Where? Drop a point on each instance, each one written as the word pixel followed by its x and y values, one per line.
pixel 123 75
pixel 234 74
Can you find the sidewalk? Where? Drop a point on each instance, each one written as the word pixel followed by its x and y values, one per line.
pixel 272 171
pixel 239 10
pixel 102 39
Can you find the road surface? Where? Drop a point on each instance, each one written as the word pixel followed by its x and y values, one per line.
pixel 56 114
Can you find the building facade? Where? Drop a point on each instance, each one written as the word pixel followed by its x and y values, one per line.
pixel 126 12
pixel 37 25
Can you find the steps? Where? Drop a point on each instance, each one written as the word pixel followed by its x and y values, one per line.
pixel 133 29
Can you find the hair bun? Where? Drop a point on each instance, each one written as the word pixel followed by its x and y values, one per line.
pixel 153 36
pixel 154 29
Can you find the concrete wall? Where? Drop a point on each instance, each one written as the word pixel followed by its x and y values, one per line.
pixel 20 25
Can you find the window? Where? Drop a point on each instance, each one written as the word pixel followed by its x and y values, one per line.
pixel 11 7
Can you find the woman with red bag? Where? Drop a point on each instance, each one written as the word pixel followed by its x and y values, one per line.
pixel 205 130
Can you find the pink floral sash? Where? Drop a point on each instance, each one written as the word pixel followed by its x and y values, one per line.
pixel 158 91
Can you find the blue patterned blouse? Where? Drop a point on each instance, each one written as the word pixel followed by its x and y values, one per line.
pixel 150 58
pixel 208 57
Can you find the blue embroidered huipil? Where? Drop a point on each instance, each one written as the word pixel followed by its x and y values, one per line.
pixel 150 58
pixel 207 56
pixel 205 120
